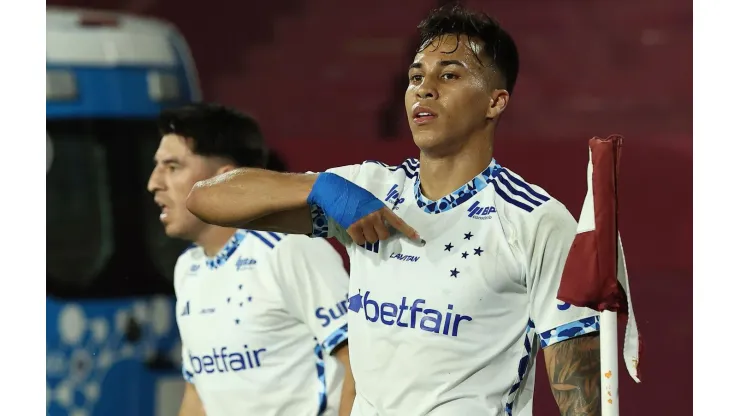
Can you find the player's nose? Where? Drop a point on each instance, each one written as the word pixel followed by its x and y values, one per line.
pixel 155 182
pixel 427 90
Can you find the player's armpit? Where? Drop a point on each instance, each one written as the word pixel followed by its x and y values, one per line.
pixel 573 368
pixel 341 353
pixel 191 404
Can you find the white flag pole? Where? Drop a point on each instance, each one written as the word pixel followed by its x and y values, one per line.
pixel 609 349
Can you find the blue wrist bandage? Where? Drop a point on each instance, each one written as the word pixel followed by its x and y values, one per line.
pixel 341 200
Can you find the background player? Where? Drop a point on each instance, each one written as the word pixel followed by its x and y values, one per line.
pixel 449 325
pixel 262 315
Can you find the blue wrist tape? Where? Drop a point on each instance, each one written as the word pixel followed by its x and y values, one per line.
pixel 341 200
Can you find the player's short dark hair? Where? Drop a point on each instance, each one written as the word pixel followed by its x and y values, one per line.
pixel 498 45
pixel 217 131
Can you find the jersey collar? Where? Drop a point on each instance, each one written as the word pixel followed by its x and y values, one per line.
pixel 219 259
pixel 459 196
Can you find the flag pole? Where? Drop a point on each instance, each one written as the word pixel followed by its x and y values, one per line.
pixel 609 350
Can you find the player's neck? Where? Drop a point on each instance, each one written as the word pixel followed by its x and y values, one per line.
pixel 213 239
pixel 441 175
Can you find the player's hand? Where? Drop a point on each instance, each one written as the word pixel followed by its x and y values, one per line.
pixel 375 226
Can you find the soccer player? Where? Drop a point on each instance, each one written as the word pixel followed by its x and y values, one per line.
pixel 262 315
pixel 455 259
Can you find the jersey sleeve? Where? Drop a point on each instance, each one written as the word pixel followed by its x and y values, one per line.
pixel 324 226
pixel 314 283
pixel 180 268
pixel 555 321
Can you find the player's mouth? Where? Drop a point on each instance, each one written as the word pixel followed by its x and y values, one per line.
pixel 423 115
pixel 165 211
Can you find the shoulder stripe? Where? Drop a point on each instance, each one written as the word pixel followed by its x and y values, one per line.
pixel 276 236
pixel 509 199
pixel 262 238
pixel 517 192
pixel 408 166
pixel 524 185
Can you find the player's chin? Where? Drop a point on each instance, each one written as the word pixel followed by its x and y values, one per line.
pixel 426 138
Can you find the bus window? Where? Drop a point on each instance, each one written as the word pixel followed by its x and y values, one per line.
pixel 79 235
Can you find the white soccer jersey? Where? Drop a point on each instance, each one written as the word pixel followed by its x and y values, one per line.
pixel 258 323
pixel 452 328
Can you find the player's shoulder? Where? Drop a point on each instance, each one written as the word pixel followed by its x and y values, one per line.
pixel 191 254
pixel 521 201
pixel 374 171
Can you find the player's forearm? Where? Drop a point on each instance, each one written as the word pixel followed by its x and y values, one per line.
pixel 348 394
pixel 573 369
pixel 241 196
pixel 191 404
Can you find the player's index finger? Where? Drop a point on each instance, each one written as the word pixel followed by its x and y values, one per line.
pixel 396 222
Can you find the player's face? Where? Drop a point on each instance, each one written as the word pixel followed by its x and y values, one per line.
pixel 449 97
pixel 175 172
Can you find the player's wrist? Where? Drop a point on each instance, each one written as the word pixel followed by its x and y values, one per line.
pixel 342 200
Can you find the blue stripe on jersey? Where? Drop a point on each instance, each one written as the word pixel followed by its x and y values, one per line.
pixel 570 330
pixel 523 366
pixel 276 236
pixel 408 166
pixel 517 192
pixel 335 338
pixel 525 185
pixel 226 252
pixel 509 199
pixel 322 378
pixel 374 247
pixel 262 238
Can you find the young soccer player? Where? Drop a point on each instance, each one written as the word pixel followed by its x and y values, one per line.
pixel 446 317
pixel 262 315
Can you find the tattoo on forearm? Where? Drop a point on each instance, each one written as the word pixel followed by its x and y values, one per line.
pixel 573 369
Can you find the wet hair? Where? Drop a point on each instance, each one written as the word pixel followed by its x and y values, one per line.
pixel 498 45
pixel 217 131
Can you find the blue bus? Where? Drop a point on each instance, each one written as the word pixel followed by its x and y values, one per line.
pixel 112 347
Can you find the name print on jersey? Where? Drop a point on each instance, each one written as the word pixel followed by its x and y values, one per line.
pixel 392 314
pixel 326 315
pixel 404 257
pixel 225 360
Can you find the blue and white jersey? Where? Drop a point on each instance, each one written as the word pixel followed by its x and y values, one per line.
pixel 452 327
pixel 258 323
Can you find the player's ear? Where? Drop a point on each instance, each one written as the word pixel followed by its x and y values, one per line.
pixel 498 103
pixel 225 168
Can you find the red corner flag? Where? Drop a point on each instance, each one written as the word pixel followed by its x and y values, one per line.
pixel 595 274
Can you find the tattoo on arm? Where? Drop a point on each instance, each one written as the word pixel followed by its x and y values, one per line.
pixel 573 367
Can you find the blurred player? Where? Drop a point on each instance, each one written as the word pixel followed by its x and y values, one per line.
pixel 262 315
pixel 446 317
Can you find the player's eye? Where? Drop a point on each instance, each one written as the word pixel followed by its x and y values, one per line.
pixel 415 78
pixel 449 76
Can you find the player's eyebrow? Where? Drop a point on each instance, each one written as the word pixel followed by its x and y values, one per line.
pixel 167 161
pixel 447 62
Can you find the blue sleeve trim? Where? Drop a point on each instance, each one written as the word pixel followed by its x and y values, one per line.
pixel 320 222
pixel 187 375
pixel 335 338
pixel 570 330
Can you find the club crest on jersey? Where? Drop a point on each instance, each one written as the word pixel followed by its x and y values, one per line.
pixel 479 212
pixel 393 197
pixel 245 263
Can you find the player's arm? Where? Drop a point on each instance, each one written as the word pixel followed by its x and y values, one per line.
pixel 341 353
pixel 568 334
pixel 254 198
pixel 573 370
pixel 271 201
pixel 191 404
